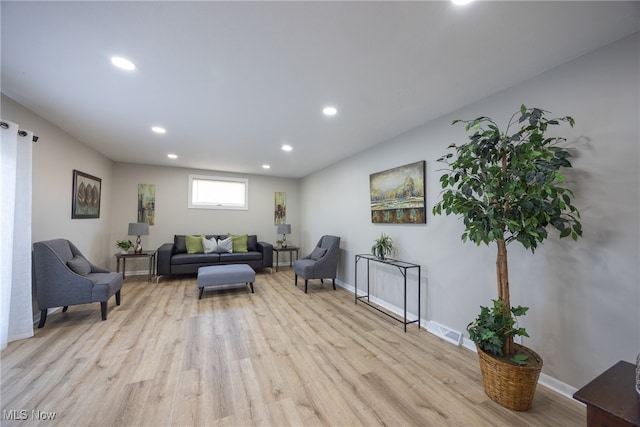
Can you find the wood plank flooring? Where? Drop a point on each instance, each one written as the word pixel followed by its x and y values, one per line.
pixel 278 357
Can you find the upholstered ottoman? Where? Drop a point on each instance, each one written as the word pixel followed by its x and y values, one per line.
pixel 225 275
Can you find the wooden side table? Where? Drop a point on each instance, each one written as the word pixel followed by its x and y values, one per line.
pixel 145 254
pixel 611 398
pixel 289 249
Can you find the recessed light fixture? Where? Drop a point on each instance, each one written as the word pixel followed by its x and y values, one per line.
pixel 122 63
pixel 286 147
pixel 266 167
pixel 172 156
pixel 461 2
pixel 158 129
pixel 329 111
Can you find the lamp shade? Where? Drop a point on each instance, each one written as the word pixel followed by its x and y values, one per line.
pixel 138 229
pixel 284 228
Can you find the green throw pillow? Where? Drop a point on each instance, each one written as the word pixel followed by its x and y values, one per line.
pixel 239 242
pixel 194 244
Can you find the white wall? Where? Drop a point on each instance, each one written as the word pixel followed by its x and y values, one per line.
pixel 55 156
pixel 584 296
pixel 173 216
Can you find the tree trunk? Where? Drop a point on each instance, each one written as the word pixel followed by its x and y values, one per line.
pixel 502 273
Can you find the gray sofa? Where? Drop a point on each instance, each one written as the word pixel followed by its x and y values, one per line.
pixel 172 258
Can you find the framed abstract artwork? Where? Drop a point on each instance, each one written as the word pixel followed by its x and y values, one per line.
pixel 280 208
pixel 85 199
pixel 147 203
pixel 398 195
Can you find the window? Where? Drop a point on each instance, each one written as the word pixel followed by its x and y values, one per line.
pixel 214 192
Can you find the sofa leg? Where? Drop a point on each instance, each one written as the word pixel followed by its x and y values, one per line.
pixel 306 283
pixel 201 292
pixel 334 283
pixel 296 282
pixel 65 308
pixel 103 310
pixel 118 297
pixel 43 318
pixel 251 284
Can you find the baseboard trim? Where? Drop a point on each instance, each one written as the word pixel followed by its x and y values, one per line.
pixel 137 273
pixel 558 386
pixel 36 316
pixel 392 308
pixel 545 380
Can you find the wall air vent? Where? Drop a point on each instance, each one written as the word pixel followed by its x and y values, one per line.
pixel 454 337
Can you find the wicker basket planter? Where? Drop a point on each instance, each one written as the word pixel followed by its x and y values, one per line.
pixel 509 385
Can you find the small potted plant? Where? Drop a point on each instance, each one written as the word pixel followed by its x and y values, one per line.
pixel 124 245
pixel 279 243
pixel 382 246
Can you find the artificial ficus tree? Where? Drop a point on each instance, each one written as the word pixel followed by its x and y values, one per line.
pixel 507 187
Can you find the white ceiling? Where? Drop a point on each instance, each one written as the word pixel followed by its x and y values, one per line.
pixel 233 81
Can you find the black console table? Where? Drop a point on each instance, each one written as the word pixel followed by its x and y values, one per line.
pixel 402 266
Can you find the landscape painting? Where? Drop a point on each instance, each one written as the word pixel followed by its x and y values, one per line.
pixel 397 195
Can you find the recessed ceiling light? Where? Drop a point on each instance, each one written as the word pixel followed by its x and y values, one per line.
pixel 461 2
pixel 287 147
pixel 122 63
pixel 172 156
pixel 329 111
pixel 266 167
pixel 158 129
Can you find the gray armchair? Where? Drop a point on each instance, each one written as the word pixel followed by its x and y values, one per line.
pixel 64 277
pixel 321 263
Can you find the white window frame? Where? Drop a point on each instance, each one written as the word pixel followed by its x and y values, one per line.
pixel 218 205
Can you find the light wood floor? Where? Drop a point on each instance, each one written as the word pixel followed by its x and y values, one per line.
pixel 274 358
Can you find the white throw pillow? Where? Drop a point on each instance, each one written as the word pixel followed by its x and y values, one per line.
pixel 209 245
pixel 225 245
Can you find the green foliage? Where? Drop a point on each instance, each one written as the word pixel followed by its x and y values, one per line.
pixel 508 185
pixel 124 244
pixel 520 359
pixel 494 325
pixel 382 246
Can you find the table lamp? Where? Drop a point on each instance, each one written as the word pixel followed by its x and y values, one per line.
pixel 138 229
pixel 284 229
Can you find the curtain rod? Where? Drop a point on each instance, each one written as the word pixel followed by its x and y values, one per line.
pixel 22 133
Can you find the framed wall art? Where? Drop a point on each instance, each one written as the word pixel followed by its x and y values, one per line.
pixel 280 208
pixel 397 195
pixel 147 203
pixel 85 200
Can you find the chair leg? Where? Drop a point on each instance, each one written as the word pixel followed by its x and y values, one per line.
pixel 103 310
pixel 201 292
pixel 306 282
pixel 43 318
pixel 251 284
pixel 296 282
pixel 118 298
pixel 334 283
pixel 65 308
pixel 322 281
